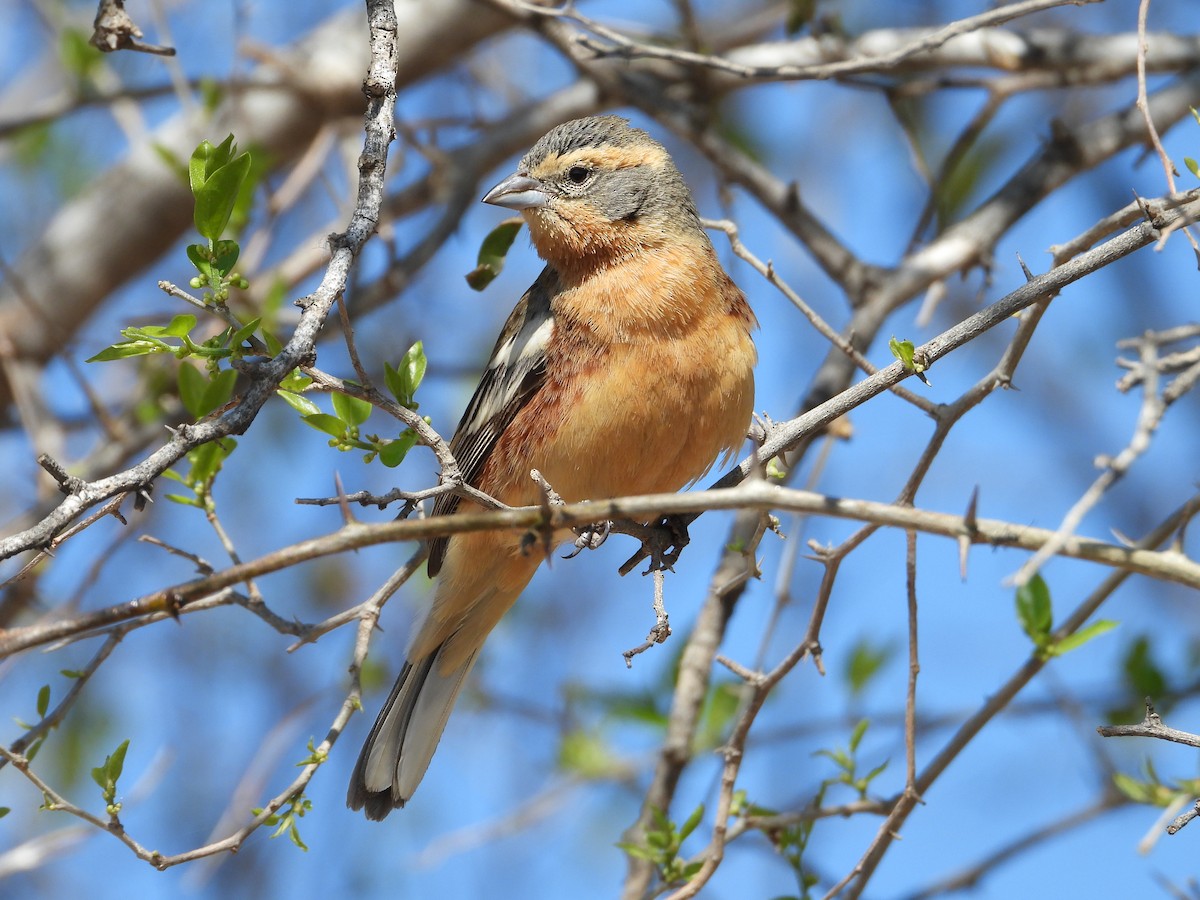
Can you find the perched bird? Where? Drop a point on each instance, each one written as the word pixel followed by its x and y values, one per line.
pixel 627 368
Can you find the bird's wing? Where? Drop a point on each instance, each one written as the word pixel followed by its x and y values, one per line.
pixel 515 372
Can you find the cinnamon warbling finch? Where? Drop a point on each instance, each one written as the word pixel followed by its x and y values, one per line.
pixel 627 368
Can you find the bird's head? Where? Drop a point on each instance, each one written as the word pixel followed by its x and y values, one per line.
pixel 596 190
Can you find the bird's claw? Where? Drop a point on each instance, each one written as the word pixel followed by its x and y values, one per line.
pixel 590 537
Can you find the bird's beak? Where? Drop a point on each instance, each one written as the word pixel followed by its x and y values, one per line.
pixel 518 192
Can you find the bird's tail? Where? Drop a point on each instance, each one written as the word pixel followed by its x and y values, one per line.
pixel 398 750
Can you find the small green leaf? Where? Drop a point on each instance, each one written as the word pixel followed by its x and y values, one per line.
pixel 192 385
pixel 107 775
pixel 404 380
pixel 4 811
pixel 585 754
pixel 351 410
pixel 691 869
pixel 172 161
pixel 692 821
pixel 212 92
pixel 178 327
pixel 1151 792
pixel 219 390
pixel 907 354
pixel 721 705
pixel 1034 609
pixel 1143 675
pixel 225 256
pixel 637 851
pixel 43 701
pixel 1081 637
pixel 274 345
pixel 1192 166
pixel 331 425
pixel 207 460
pixel 243 334
pixel 206 159
pixel 492 252
pixel 393 452
pixel 299 402
pixel 857 734
pixel 216 177
pixel 200 257
pixel 412 370
pixel 297 381
pixel 115 764
pixel 77 54
pixel 126 350
pixel 864 662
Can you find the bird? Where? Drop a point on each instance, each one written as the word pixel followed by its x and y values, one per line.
pixel 626 368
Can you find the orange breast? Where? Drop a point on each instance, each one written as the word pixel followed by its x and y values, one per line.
pixel 651 378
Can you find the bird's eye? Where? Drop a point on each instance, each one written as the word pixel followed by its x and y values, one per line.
pixel 578 174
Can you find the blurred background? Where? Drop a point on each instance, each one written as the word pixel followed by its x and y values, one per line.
pixel 546 760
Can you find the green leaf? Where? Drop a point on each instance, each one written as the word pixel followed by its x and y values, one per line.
pixel 192 385
pixel 126 350
pixel 412 370
pixel 393 452
pixel 172 161
pixel 207 460
pixel 178 327
pixel 219 390
pixel 77 54
pixel 492 253
pixel 1081 637
pixel 106 776
pixel 200 257
pixel 857 734
pixel 331 425
pixel 212 92
pixel 1142 674
pixel 637 851
pixel 274 345
pixel 351 410
pixel 225 256
pixel 864 663
pixel 1034 609
pixel 720 707
pixel 1149 792
pixel 1192 166
pixel 206 159
pixel 296 381
pixel 216 177
pixel 43 701
pixel 585 754
pixel 300 403
pixel 404 380
pixel 243 334
pixel 692 821
pixel 907 354
pixel 4 811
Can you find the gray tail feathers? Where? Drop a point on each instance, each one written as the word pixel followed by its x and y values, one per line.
pixel 400 746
